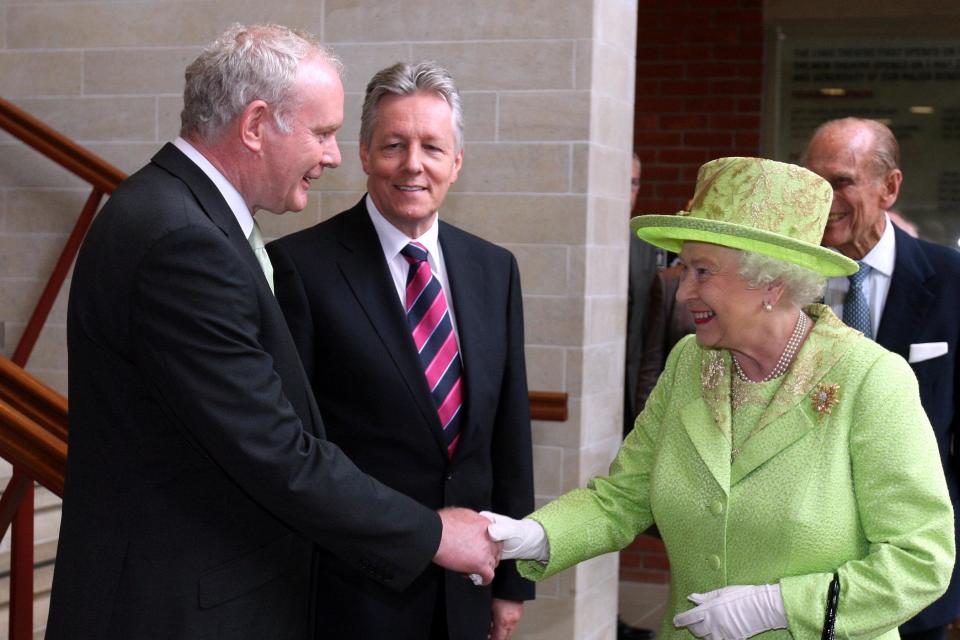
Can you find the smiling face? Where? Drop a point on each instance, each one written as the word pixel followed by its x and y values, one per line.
pixel 292 159
pixel 726 312
pixel 411 159
pixel 842 155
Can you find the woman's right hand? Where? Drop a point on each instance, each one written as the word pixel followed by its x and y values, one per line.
pixel 522 539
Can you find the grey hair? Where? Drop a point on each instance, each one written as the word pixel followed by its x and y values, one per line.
pixel 404 79
pixel 801 286
pixel 884 149
pixel 246 63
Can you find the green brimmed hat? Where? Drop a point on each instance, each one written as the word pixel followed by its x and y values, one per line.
pixel 752 204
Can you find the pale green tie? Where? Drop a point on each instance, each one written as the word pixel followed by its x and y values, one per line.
pixel 259 250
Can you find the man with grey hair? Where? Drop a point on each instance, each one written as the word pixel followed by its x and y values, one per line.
pixel 411 332
pixel 199 483
pixel 905 295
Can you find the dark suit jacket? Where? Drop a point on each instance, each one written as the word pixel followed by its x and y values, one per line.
pixel 197 467
pixel 345 315
pixel 923 305
pixel 642 271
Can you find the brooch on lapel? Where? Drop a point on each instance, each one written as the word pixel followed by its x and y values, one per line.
pixel 825 397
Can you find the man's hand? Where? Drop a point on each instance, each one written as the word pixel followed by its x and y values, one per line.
pixel 465 546
pixel 506 615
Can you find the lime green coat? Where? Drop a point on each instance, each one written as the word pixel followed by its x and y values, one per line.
pixel 841 473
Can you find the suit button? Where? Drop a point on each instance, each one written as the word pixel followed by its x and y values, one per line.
pixel 450 476
pixel 716 508
pixel 714 562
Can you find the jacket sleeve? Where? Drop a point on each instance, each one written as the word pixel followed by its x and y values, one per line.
pixel 196 325
pixel 610 511
pixel 904 511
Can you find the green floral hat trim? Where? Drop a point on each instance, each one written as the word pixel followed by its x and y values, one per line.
pixel 752 204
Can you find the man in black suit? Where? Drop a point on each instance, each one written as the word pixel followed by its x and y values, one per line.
pixel 642 270
pixel 906 296
pixel 199 477
pixel 411 332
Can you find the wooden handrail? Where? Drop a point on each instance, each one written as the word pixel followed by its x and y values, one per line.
pixel 33 417
pixel 548 405
pixel 102 175
pixel 36 401
pixel 35 421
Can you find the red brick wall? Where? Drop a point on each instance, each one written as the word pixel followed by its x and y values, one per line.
pixel 699 70
pixel 698 97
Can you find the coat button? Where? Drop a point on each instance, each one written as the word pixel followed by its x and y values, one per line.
pixel 450 476
pixel 716 508
pixel 714 562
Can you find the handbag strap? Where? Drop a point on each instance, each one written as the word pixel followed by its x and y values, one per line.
pixel 830 617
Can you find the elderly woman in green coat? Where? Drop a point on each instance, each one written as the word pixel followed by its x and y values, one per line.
pixel 780 448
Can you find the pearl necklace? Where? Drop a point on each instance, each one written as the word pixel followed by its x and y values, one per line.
pixel 789 351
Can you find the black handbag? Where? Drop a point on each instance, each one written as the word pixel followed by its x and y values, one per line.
pixel 830 617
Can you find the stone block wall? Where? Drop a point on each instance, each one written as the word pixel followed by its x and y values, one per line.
pixel 699 92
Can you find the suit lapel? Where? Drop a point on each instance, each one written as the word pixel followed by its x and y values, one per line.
pixel 712 444
pixel 469 296
pixel 218 211
pixel 211 201
pixel 908 299
pixel 707 421
pixel 364 268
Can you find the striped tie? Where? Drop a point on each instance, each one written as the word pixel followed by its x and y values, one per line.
pixel 856 309
pixel 432 329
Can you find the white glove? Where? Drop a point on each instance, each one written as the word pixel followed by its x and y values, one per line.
pixel 524 539
pixel 733 613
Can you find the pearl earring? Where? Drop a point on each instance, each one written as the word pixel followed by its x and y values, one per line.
pixel 767 306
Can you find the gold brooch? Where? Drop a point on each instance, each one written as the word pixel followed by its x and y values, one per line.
pixel 825 397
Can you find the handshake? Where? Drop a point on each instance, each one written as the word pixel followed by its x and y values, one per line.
pixel 473 543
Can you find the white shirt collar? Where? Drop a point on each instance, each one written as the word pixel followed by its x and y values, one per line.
pixel 234 200
pixel 883 255
pixel 393 240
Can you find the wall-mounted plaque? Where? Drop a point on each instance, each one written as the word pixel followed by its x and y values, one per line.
pixel 911 83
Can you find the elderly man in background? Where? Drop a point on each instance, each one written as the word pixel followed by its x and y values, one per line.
pixel 411 332
pixel 905 295
pixel 199 476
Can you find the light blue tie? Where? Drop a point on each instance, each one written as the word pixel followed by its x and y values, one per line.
pixel 256 243
pixel 856 310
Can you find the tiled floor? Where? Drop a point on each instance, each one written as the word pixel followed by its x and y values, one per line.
pixel 641 604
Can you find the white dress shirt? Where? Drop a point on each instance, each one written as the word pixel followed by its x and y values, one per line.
pixel 392 240
pixel 881 260
pixel 234 200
